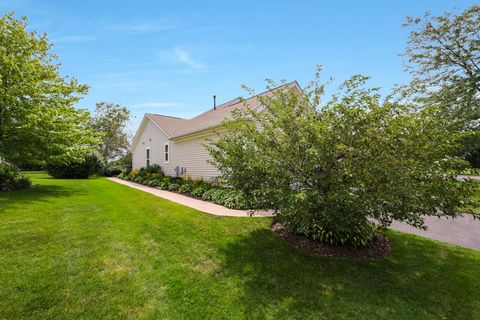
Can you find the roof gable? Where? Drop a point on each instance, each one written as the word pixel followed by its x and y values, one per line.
pixel 175 127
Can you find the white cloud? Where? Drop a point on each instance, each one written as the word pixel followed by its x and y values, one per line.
pixel 144 27
pixel 185 57
pixel 75 39
pixel 156 104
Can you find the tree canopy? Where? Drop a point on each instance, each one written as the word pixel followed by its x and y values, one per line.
pixel 111 120
pixel 37 114
pixel 329 172
pixel 443 55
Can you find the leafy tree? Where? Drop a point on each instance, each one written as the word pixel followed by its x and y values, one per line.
pixel 329 171
pixel 111 120
pixel 124 161
pixel 443 55
pixel 77 163
pixel 37 116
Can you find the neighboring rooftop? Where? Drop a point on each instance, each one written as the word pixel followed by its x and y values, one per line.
pixel 177 127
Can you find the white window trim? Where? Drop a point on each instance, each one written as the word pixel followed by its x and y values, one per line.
pixel 169 153
pixel 149 159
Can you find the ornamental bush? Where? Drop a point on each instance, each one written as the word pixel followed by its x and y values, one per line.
pixel 154 177
pixel 11 178
pixel 110 170
pixel 200 190
pixel 328 171
pixel 76 164
pixel 152 169
pixel 234 199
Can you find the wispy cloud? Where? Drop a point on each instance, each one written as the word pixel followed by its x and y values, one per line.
pixel 156 104
pixel 75 39
pixel 184 56
pixel 144 27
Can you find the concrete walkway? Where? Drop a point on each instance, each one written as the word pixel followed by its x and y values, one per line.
pixel 463 231
pixel 196 204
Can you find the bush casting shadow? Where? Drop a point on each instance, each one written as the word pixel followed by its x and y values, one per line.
pixel 413 282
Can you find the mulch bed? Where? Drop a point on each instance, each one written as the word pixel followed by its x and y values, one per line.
pixel 379 248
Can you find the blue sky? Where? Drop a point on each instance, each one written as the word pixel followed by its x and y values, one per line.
pixel 170 57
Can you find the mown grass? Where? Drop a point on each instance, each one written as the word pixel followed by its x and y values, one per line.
pixel 476 197
pixel 93 249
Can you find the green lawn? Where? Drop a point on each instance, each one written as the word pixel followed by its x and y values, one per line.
pixel 476 197
pixel 93 249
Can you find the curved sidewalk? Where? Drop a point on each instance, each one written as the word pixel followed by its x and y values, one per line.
pixel 196 204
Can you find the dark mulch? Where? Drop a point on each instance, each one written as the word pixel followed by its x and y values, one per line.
pixel 379 248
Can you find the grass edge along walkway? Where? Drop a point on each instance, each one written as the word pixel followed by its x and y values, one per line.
pixel 94 249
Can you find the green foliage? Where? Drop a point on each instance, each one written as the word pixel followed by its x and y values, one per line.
pixel 11 178
pixel 228 197
pixel 79 163
pixel 111 170
pixel 37 114
pixel 199 191
pixel 328 171
pixel 111 120
pixel 124 161
pixel 471 149
pixel 172 186
pixel 154 168
pixel 443 56
pixel 153 177
pixel 211 194
pixel 234 199
pixel 186 186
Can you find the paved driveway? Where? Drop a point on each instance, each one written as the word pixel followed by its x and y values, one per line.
pixel 463 231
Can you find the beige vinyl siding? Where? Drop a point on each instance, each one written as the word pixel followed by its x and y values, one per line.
pixel 152 137
pixel 187 152
pixel 191 154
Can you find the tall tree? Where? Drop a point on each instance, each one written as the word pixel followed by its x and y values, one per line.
pixel 37 114
pixel 443 55
pixel 329 171
pixel 111 121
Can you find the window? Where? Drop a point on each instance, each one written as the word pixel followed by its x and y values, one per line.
pixel 148 157
pixel 166 153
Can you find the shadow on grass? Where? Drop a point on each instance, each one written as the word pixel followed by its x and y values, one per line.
pixel 419 279
pixel 37 193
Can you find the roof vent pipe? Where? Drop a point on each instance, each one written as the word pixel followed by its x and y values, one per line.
pixel 214 102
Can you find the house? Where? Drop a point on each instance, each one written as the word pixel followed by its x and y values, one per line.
pixel 178 145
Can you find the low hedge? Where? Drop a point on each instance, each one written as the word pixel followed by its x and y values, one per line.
pixel 11 178
pixel 111 170
pixel 76 164
pixel 154 177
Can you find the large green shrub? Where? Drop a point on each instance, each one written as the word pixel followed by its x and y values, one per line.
pixel 11 178
pixel 76 164
pixel 329 171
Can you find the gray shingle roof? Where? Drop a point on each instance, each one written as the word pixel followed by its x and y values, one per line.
pixel 178 127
